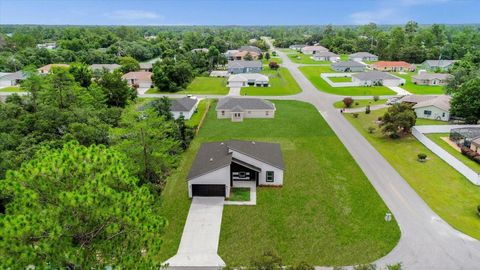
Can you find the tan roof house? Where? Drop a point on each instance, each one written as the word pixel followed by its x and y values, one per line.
pixel 424 78
pixel 140 79
pixel 46 69
pixel 313 49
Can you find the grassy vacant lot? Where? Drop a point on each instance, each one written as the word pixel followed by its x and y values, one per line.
pixel 287 50
pixel 201 110
pixel 437 138
pixel 202 86
pixel 313 74
pixel 360 103
pixel 419 89
pixel 327 213
pixel 445 190
pixel 281 83
pixel 341 79
pixel 301 58
pixel 11 89
pixel 239 194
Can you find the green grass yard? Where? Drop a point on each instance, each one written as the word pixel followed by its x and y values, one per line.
pixel 360 103
pixel 419 89
pixel 281 83
pixel 437 138
pixel 14 89
pixel 301 58
pixel 239 194
pixel 341 79
pixel 327 212
pixel 272 59
pixel 202 86
pixel 313 74
pixel 197 116
pixel 445 190
pixel 426 122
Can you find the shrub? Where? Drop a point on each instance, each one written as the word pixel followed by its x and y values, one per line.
pixel 397 266
pixel 376 98
pixel 371 130
pixel 273 65
pixel 356 103
pixel 348 101
pixel 355 115
pixel 477 159
pixel 367 109
pixel 478 209
pixel 422 156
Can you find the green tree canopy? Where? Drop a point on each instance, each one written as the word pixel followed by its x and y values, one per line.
pixel 78 207
pixel 398 120
pixel 129 64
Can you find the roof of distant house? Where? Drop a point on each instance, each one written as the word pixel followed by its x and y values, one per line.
pixel 250 48
pixel 326 54
pixel 146 65
pixel 362 54
pixel 439 63
pixel 184 104
pixel 374 76
pixel 432 76
pixel 229 103
pixel 243 77
pixel 47 68
pixel 392 64
pixel 441 102
pixel 348 64
pixel 216 155
pixel 139 75
pixel 416 98
pixel 314 48
pixel 109 67
pixel 204 50
pixel 19 75
pixel 244 64
pixel 244 53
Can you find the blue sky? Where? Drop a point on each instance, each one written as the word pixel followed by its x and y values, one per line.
pixel 245 12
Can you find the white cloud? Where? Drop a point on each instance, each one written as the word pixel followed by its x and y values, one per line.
pixel 383 15
pixel 133 15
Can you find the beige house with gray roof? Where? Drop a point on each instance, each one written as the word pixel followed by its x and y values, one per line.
pixel 424 78
pixel 239 108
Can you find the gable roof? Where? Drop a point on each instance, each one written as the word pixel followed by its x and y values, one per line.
pixel 244 64
pixel 441 102
pixel 47 68
pixel 229 103
pixel 146 65
pixel 138 75
pixel 432 76
pixel 109 67
pixel 325 54
pixel 19 75
pixel 362 55
pixel 244 77
pixel 373 75
pixel 416 98
pixel 315 48
pixel 392 64
pixel 184 104
pixel 348 64
pixel 250 48
pixel 216 155
pixel 439 63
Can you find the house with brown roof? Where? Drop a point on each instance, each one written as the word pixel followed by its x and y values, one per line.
pixel 139 79
pixel 46 69
pixel 394 66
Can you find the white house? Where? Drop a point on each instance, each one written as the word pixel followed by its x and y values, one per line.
pixel 185 106
pixel 48 45
pixel 435 108
pixel 376 78
pixel 362 57
pixel 12 79
pixel 239 108
pixel 326 56
pixel 219 164
pixel 313 49
pixel 246 79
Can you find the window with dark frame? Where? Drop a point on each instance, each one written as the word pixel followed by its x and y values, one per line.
pixel 270 176
pixel 427 112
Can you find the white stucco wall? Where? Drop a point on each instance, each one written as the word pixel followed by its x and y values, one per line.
pixel 437 113
pixel 248 114
pixel 277 173
pixel 186 115
pixel 218 177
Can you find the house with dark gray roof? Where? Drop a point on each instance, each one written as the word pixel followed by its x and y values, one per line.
pixel 444 65
pixel 363 56
pixel 239 108
pixel 218 165
pixel 242 66
pixel 376 78
pixel 185 106
pixel 348 66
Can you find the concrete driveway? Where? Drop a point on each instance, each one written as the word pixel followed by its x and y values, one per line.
pixel 199 243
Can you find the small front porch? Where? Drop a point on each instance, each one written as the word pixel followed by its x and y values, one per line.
pixel 244 184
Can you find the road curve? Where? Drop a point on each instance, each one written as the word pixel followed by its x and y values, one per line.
pixel 427 242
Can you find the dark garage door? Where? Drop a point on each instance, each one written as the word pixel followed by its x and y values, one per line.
pixel 208 190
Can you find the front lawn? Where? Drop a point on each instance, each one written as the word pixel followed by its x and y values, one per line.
pixel 437 138
pixel 419 89
pixel 359 103
pixel 272 59
pixel 281 83
pixel 202 86
pixel 198 115
pixel 428 122
pixel 13 89
pixel 301 58
pixel 239 194
pixel 313 74
pixel 446 191
pixel 327 212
